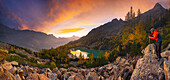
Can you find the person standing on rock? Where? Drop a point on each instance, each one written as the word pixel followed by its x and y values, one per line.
pixel 155 35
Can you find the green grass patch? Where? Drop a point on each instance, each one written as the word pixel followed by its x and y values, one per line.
pixel 31 62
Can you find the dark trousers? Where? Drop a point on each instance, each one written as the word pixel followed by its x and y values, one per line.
pixel 158 49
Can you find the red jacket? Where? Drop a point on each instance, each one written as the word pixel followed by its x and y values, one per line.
pixel 155 35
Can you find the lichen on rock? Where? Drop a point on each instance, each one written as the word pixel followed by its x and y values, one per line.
pixel 148 67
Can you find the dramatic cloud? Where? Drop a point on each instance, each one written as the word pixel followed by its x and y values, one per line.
pixel 65 18
pixel 70 30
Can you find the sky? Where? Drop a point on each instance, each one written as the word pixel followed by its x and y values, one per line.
pixel 65 18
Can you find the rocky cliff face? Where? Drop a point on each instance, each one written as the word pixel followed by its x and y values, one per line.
pixel 148 67
pixel 111 28
pixel 123 68
pixel 155 12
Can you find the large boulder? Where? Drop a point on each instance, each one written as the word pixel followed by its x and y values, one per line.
pixel 94 70
pixel 73 69
pixel 17 77
pixel 59 74
pixel 114 68
pixel 99 69
pixel 122 61
pixel 36 70
pixel 120 78
pixel 101 78
pixel 63 70
pixel 66 75
pixel 5 74
pixel 167 69
pixel 25 70
pixel 3 54
pixel 7 66
pixel 36 76
pixel 76 77
pixel 55 70
pixel 110 78
pixel 45 70
pixel 30 70
pixel 118 59
pixel 125 73
pixel 92 76
pixel 104 74
pixel 53 76
pixel 148 49
pixel 83 72
pixel 1 70
pixel 14 63
pixel 13 70
pixel 20 71
pixel 165 54
pixel 43 77
pixel 148 67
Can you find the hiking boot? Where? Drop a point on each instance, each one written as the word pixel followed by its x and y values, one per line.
pixel 159 59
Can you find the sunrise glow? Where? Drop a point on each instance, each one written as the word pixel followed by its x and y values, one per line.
pixel 65 18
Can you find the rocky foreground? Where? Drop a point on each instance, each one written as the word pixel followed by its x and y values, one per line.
pixel 136 68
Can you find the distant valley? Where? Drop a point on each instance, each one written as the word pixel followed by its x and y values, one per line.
pixel 31 39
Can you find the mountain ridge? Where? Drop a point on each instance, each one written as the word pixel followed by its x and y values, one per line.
pixel 114 27
pixel 156 11
pixel 31 39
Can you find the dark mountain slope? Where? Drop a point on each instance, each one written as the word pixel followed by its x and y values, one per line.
pixel 104 31
pixel 108 33
pixel 31 39
pixel 155 12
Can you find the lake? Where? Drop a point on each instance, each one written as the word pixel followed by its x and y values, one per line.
pixel 90 51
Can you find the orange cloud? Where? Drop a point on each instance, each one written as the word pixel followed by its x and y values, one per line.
pixel 69 10
pixel 81 10
pixel 69 30
pixel 24 26
pixel 90 12
pixel 65 15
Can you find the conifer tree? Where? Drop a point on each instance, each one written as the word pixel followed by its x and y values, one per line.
pixel 80 59
pixel 92 58
pixel 139 13
pixel 131 12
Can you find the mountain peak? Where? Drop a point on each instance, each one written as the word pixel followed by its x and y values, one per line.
pixel 115 20
pixel 120 19
pixel 157 5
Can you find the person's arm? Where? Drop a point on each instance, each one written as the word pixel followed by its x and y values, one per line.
pixel 154 36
